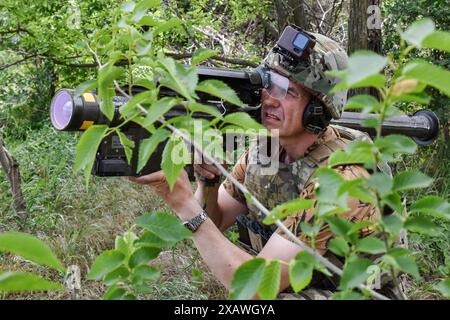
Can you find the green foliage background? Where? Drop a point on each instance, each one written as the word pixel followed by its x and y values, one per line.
pixel 55 58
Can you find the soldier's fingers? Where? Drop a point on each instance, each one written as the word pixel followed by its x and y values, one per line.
pixel 148 179
pixel 204 172
pixel 213 169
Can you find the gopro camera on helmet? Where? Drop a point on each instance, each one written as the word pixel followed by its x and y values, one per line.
pixel 295 43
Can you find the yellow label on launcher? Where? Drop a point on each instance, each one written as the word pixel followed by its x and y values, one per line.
pixel 86 125
pixel 88 97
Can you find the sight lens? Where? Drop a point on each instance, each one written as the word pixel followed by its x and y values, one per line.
pixel 61 110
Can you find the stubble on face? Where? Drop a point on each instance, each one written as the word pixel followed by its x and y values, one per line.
pixel 285 114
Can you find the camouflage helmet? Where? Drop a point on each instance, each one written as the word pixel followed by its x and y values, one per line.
pixel 326 55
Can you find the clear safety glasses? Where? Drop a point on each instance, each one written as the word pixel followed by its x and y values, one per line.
pixel 276 85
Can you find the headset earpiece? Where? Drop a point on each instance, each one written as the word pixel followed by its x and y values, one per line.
pixel 315 118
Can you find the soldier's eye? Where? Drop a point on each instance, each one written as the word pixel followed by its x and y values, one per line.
pixel 293 93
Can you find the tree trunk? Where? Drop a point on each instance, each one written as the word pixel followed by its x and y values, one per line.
pixel 11 168
pixel 364 32
pixel 298 13
pixel 290 12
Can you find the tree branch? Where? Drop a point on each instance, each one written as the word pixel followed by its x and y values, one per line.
pixel 18 30
pixel 6 66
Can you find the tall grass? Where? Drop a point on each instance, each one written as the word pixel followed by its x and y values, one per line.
pixel 80 223
pixel 432 252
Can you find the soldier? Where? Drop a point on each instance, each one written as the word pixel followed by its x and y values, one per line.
pixel 298 104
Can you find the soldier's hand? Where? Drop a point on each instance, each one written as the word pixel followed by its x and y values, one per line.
pixel 209 171
pixel 179 198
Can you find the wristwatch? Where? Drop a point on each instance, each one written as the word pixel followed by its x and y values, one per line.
pixel 195 222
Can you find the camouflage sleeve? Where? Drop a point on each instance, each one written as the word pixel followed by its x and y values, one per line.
pixel 359 211
pixel 239 174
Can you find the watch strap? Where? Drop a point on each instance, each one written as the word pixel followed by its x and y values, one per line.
pixel 194 223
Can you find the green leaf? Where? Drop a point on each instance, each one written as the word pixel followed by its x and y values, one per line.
pixel 144 273
pixel 128 6
pixel 243 120
pixel 430 74
pixel 363 102
pixel 325 209
pixel 376 81
pixel 87 147
pixel 371 245
pixel 143 256
pixel 179 78
pixel 221 90
pixel 174 158
pixel 119 274
pixel 148 4
pixel 165 226
pixel 149 239
pixel 358 226
pixel 125 243
pixel 432 205
pixel 106 75
pixel 168 25
pixel 128 109
pixel 444 287
pixel 411 180
pixel 288 208
pixel 421 98
pixel 129 296
pixel 127 144
pixel 340 157
pixel 339 246
pixel 114 293
pixel 201 54
pixel 270 282
pixel 418 31
pixel 246 279
pixel 381 182
pixel 422 225
pixel 392 223
pixel 347 295
pixel 407 264
pixel 329 183
pixel 354 273
pixel 149 145
pixel 198 107
pixel 394 201
pixel 439 40
pixel 301 270
pixel 148 21
pixel 363 194
pixel 24 281
pixel 30 248
pixel 339 226
pixel 105 263
pixel 396 144
pixel 371 122
pixel 159 108
pixel 84 87
pixel 142 7
pixel 307 229
pixel 363 64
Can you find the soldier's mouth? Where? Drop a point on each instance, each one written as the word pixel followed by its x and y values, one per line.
pixel 272 116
